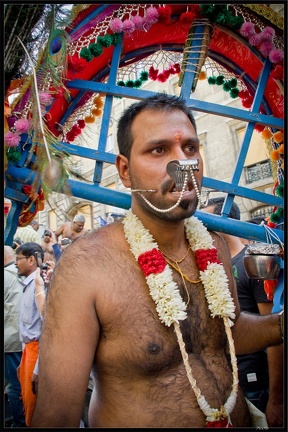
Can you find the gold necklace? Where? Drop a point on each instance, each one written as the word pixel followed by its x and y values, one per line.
pixel 181 273
pixel 178 269
pixel 177 261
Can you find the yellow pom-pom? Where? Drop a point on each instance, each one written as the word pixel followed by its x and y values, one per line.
pixel 278 137
pixel 266 134
pixel 89 119
pixel 202 75
pixel 275 155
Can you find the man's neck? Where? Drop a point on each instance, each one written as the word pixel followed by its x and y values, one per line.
pixel 169 234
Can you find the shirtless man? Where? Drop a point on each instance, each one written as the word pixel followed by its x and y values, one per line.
pixel 100 313
pixel 47 242
pixel 72 229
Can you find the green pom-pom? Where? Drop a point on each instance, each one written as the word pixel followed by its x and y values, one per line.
pixel 116 38
pixel 96 49
pixel 222 19
pixel 144 76
pixel 208 10
pixel 86 54
pixel 233 82
pixel 137 83
pixel 226 86
pixel 220 79
pixel 236 22
pixel 280 190
pixel 279 211
pixel 13 154
pixel 129 83
pixel 234 92
pixel 274 217
pixel 121 83
pixel 211 80
pixel 105 41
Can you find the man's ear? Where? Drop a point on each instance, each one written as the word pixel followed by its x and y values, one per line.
pixel 122 166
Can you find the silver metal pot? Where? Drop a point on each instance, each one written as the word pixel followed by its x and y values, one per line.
pixel 262 266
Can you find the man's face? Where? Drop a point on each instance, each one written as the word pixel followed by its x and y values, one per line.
pixel 47 238
pixel 25 265
pixel 78 226
pixel 158 138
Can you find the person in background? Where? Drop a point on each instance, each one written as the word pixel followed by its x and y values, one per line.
pixel 29 233
pixel 29 256
pixel 72 230
pixel 158 355
pixel 57 250
pixel 261 372
pixel 13 290
pixel 47 245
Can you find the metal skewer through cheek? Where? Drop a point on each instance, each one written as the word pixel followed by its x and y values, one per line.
pixel 176 169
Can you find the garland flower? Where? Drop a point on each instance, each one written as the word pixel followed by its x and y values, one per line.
pixel 170 306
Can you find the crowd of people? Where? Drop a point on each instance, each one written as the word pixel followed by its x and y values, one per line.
pixel 30 260
pixel 134 363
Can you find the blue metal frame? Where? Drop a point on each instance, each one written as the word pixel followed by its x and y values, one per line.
pixel 18 175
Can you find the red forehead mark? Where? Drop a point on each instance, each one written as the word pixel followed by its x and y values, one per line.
pixel 177 136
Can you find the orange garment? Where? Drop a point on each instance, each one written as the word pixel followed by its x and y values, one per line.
pixel 28 361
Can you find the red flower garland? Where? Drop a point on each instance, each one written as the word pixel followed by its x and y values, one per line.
pixel 206 256
pixel 219 424
pixel 152 262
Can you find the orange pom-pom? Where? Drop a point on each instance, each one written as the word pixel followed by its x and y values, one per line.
pixel 98 101
pixel 278 137
pixel 281 149
pixel 89 119
pixel 282 165
pixel 275 155
pixel 202 76
pixel 266 134
pixel 96 111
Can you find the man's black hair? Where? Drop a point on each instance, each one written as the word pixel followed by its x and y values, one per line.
pixel 217 204
pixel 158 102
pixel 29 248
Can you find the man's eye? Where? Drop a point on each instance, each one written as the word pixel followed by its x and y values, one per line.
pixel 157 150
pixel 191 149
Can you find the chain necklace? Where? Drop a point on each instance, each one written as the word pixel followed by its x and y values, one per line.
pixel 176 267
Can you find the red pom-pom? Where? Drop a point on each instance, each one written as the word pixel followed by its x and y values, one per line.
pixel 153 73
pixel 70 136
pixel 76 129
pixel 164 14
pixel 81 123
pixel 243 94
pixel 161 77
pixel 258 127
pixel 247 102
pixel 152 261
pixel 187 17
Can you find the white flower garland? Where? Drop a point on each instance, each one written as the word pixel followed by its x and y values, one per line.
pixel 171 307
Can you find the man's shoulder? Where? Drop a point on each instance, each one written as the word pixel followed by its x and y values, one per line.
pixel 100 241
pixel 11 268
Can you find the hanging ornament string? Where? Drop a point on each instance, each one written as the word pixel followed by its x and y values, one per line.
pixel 37 101
pixel 270 234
